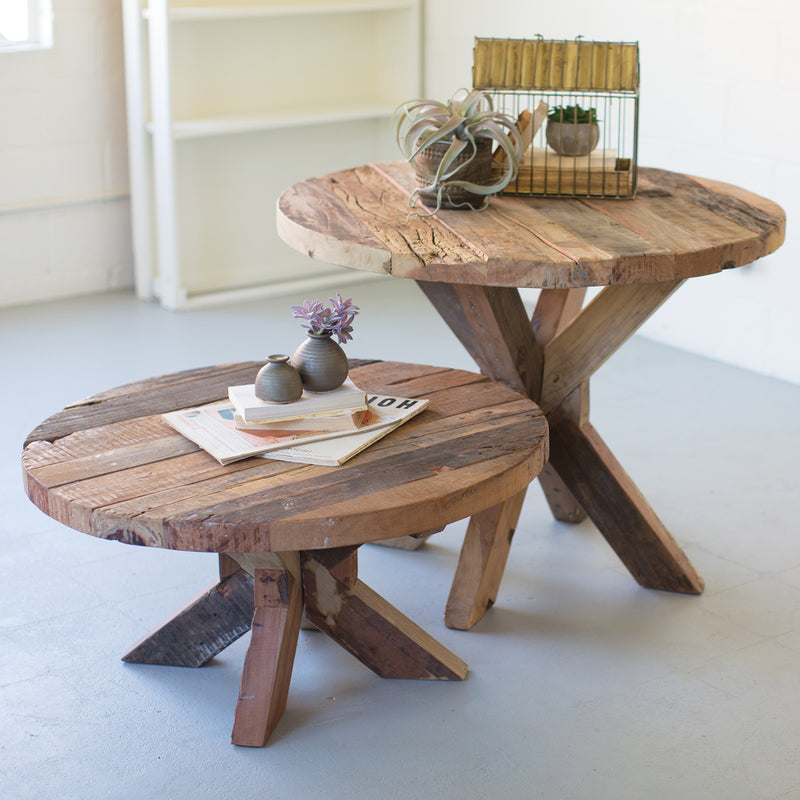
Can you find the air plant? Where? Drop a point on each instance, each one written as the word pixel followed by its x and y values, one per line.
pixel 336 319
pixel 462 122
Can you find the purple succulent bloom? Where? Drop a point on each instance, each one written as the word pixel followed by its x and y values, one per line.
pixel 338 319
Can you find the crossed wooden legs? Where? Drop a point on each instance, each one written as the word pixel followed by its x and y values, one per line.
pixel 268 592
pixel 551 358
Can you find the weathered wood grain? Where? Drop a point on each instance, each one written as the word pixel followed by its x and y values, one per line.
pixel 372 629
pixel 677 227
pixel 478 441
pixel 203 628
pixel 142 399
pixel 492 323
pixel 481 563
pixel 618 508
pixel 595 334
pixel 267 671
pixel 122 474
pixel 555 310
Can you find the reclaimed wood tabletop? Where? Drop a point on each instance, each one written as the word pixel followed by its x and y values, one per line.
pixel 111 467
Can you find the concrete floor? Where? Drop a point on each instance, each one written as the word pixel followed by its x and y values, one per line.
pixel 582 684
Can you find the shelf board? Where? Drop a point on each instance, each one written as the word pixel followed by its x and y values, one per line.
pixel 253 123
pixel 202 13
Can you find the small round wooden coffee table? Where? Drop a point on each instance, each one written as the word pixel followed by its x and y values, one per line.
pixel 288 533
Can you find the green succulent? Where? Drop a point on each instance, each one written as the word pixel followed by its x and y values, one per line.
pixel 573 114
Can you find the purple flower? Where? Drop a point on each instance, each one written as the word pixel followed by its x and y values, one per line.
pixel 338 319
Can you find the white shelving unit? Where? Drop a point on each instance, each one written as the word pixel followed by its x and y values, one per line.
pixel 231 102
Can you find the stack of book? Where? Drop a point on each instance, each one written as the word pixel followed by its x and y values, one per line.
pixel 325 428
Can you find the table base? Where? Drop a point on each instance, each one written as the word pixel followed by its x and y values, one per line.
pixel 551 358
pixel 267 594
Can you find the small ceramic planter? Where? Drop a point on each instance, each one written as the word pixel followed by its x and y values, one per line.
pixel 278 381
pixel 322 364
pixel 572 139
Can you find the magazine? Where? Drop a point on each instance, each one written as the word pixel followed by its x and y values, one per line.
pixel 334 451
pixel 213 427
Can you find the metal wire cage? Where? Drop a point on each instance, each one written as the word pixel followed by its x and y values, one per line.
pixel 577 105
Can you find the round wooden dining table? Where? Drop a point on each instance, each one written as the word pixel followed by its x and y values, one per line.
pixel 471 266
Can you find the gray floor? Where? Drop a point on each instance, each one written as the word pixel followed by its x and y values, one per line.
pixel 582 684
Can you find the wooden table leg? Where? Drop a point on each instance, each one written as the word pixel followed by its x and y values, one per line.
pixel 552 359
pixel 555 310
pixel 619 510
pixel 202 629
pixel 268 664
pixel 481 563
pixel 366 625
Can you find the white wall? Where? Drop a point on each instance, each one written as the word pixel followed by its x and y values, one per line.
pixel 712 71
pixel 64 227
pixel 710 68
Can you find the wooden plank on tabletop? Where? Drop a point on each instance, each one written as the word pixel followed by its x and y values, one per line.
pixel 313 220
pixel 141 520
pixel 449 493
pixel 415 383
pixel 634 257
pixel 227 372
pixel 94 441
pixel 584 263
pixel 182 393
pixel 75 503
pixel 379 469
pixel 401 511
pixel 378 202
pixel 486 397
pixel 259 500
pixel 702 242
pixel 502 245
pixel 112 460
pixel 762 218
pixel 769 208
pixel 478 232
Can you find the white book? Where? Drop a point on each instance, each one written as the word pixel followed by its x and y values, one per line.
pixel 348 397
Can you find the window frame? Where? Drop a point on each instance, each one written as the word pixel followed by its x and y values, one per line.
pixel 40 29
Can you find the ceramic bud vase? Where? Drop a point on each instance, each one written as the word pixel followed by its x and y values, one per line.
pixel 321 363
pixel 278 381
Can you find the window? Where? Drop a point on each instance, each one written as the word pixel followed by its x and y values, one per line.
pixel 25 24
